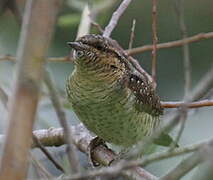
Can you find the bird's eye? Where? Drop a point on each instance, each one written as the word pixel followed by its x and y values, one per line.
pixel 79 54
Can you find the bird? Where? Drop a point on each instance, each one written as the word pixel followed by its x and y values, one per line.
pixel 109 95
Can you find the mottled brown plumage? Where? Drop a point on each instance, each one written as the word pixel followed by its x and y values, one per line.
pixel 109 95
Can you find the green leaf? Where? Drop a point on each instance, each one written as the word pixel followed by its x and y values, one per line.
pixel 164 140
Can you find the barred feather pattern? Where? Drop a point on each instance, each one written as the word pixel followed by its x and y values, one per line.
pixel 113 102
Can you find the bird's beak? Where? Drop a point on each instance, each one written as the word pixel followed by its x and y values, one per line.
pixel 75 45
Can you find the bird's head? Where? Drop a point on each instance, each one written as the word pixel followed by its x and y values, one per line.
pixel 97 53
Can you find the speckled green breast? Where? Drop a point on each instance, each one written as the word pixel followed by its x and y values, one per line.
pixel 109 111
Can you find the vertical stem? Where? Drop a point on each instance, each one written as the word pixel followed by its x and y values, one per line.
pixel 179 7
pixel 37 28
pixel 85 23
pixel 154 39
pixel 186 55
pixel 132 34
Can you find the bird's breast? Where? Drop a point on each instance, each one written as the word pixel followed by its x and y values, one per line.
pixel 108 111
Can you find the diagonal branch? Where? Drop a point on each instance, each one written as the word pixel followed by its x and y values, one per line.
pixel 115 17
pixel 3 97
pixel 184 167
pixel 72 152
pixel 36 141
pixel 204 152
pixel 47 153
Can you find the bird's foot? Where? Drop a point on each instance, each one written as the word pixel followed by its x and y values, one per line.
pixel 97 149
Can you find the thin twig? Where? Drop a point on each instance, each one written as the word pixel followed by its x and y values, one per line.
pixel 98 26
pixel 203 86
pixel 171 44
pixel 205 151
pixel 200 90
pixel 36 141
pixel 47 153
pixel 82 138
pixel 197 104
pixel 144 174
pixel 51 59
pixel 188 164
pixel 132 34
pixel 40 167
pixel 7 58
pixel 55 137
pixel 72 152
pixel 133 51
pixel 3 97
pixel 182 121
pixel 179 7
pixel 115 17
pixel 183 168
pixel 154 39
pixel 123 165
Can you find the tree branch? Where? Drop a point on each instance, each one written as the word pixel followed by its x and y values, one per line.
pixel 35 140
pixel 72 154
pixel 192 39
pixel 82 139
pixel 47 153
pixel 133 51
pixel 50 59
pixel 197 104
pixel 103 155
pixel 200 90
pixel 31 53
pixel 115 17
pixel 204 152
pixel 183 168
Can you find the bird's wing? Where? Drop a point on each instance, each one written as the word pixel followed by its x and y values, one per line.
pixel 146 97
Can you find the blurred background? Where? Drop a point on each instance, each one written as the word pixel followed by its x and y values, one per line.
pixel 170 77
